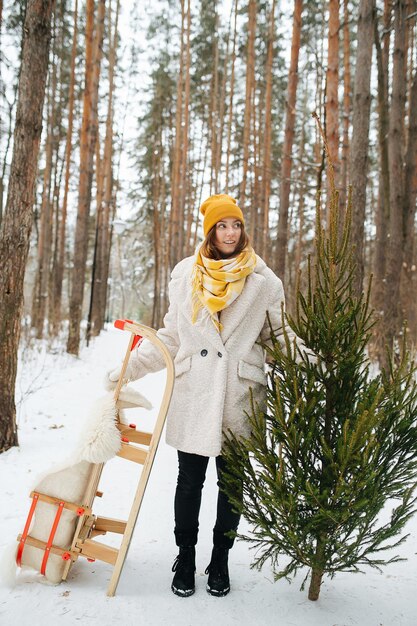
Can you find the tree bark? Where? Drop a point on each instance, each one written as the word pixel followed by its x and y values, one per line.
pixel 40 290
pixel 17 221
pixel 391 321
pixel 266 174
pixel 317 572
pixel 408 277
pixel 156 161
pixel 286 166
pixel 185 140
pixel 214 105
pixel 301 211
pixel 222 107
pixel 250 86
pixel 383 208
pixel 346 105
pixel 176 179
pixel 58 268
pixel 255 219
pixel 360 133
pixel 231 96
pixel 315 584
pixel 332 85
pixel 104 206
pixel 109 187
pixel 87 148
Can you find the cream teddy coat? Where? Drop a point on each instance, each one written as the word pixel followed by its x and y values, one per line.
pixel 214 371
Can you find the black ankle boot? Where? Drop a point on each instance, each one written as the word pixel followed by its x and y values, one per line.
pixel 183 583
pixel 218 583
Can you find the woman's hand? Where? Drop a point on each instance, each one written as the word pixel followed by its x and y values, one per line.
pixel 112 377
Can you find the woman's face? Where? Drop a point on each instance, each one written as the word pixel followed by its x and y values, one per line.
pixel 228 233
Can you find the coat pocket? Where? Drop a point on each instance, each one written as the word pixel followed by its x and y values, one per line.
pixel 182 366
pixel 251 372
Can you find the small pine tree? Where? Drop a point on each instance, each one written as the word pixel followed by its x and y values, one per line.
pixel 336 445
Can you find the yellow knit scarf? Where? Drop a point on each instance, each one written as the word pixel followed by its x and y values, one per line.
pixel 217 283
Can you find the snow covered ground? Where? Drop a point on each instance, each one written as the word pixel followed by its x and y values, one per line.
pixel 56 392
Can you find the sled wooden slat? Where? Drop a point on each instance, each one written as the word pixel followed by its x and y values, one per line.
pixel 38 543
pixel 137 455
pixel 67 505
pixel 110 525
pixel 135 436
pixel 88 525
pixel 95 550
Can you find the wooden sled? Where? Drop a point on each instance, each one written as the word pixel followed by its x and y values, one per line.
pixel 136 446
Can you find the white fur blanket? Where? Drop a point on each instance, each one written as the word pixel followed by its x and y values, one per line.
pixel 100 441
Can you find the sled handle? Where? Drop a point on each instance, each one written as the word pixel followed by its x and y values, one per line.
pixel 120 324
pixel 135 339
pixel 138 333
pixel 150 334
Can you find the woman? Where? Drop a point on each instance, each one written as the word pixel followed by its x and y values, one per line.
pixel 219 301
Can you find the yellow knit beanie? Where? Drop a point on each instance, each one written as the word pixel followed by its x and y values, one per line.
pixel 218 207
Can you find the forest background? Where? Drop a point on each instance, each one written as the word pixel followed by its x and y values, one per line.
pixel 145 110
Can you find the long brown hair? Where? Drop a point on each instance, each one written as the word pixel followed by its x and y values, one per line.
pixel 208 247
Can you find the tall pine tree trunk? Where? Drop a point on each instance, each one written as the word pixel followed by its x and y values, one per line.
pixel 231 96
pixel 59 165
pixel 301 199
pixel 332 86
pixel 346 105
pixel 176 180
pixel 391 321
pixel 222 106
pixel 17 221
pixel 40 290
pixel 266 174
pixel 109 189
pixel 184 177
pixel 286 166
pixel 360 133
pixel 255 219
pixel 319 152
pixel 383 206
pixel 87 148
pixel 250 88
pixel 156 193
pixel 408 277
pixel 104 206
pixel 214 105
pixel 58 268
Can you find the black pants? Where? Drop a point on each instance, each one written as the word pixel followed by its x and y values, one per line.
pixel 191 475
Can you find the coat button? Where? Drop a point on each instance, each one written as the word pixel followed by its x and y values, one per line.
pixel 219 354
pixel 204 352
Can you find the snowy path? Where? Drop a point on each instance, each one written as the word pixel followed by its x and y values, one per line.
pixel 49 420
